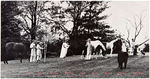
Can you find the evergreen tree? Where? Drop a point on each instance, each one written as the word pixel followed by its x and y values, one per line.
pixel 9 24
pixel 87 22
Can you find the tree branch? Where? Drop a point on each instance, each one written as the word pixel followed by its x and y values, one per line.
pixel 140 25
pixel 128 35
pixel 28 16
pixel 25 29
pixel 143 42
pixel 26 23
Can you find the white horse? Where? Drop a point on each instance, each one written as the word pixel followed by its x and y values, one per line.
pixel 110 45
pixel 95 44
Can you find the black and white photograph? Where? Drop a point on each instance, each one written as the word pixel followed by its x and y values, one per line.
pixel 74 39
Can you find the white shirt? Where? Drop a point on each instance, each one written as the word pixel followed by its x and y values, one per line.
pixel 124 47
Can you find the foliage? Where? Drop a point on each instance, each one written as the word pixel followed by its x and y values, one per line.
pixel 30 16
pixel 9 25
pixel 34 18
pixel 86 18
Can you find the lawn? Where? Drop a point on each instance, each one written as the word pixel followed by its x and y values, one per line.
pixel 75 67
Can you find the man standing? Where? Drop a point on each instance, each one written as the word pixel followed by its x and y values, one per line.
pixel 33 51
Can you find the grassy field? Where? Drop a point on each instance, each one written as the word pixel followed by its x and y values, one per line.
pixel 75 67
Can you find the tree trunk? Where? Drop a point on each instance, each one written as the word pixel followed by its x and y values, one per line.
pixel 134 46
pixel 32 36
pixel 74 38
pixel 34 28
pixel 135 50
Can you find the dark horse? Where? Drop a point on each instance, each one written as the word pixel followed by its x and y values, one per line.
pixel 16 49
pixel 122 56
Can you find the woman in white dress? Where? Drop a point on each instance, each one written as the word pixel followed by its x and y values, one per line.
pixel 39 51
pixel 64 49
pixel 89 49
pixel 33 51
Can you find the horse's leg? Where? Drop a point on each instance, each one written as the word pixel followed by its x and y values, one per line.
pixel 121 64
pixel 126 60
pixel 104 54
pixel 95 54
pixel 4 61
pixel 28 56
pixel 82 55
pixel 111 50
pixel 20 60
pixel 21 57
pixel 125 64
pixel 100 52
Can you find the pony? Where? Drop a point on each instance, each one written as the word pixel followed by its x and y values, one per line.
pixel 16 49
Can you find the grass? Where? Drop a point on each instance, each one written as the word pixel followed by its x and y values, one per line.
pixel 75 67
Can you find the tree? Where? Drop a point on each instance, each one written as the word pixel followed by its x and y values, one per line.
pixel 9 25
pixel 30 16
pixel 137 25
pixel 85 16
pixel 10 29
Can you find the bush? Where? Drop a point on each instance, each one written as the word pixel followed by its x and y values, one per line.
pixel 54 48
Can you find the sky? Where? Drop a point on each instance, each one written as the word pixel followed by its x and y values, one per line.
pixel 120 11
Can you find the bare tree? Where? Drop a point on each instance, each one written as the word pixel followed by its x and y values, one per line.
pixel 137 24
